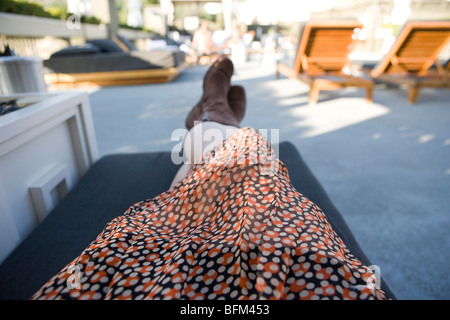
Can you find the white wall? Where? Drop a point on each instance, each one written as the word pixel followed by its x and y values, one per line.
pixel 37 144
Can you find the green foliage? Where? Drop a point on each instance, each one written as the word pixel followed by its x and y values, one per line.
pixel 34 9
pixel 91 20
pixel 58 13
pixel 24 7
pixel 124 25
pixel 150 2
pixel 122 13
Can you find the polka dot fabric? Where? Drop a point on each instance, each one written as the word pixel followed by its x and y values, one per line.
pixel 234 228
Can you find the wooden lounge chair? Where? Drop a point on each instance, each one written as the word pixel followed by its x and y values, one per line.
pixel 322 54
pixel 412 55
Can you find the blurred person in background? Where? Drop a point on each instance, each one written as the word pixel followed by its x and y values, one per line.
pixel 203 42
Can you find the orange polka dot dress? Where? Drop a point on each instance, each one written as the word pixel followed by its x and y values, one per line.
pixel 234 228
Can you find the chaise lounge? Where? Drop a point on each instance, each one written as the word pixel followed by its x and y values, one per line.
pixel 323 49
pixel 106 191
pixel 104 62
pixel 413 58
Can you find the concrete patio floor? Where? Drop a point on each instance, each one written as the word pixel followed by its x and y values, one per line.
pixel 385 165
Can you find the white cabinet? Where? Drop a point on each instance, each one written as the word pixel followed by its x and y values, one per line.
pixel 45 148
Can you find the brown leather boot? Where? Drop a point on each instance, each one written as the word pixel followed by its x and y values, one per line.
pixel 194 115
pixel 237 101
pixel 214 105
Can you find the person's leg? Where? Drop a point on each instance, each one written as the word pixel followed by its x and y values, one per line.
pixel 202 138
pixel 215 117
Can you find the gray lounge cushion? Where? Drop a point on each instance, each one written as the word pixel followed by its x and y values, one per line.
pixel 115 61
pixel 127 43
pixel 71 51
pixel 105 45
